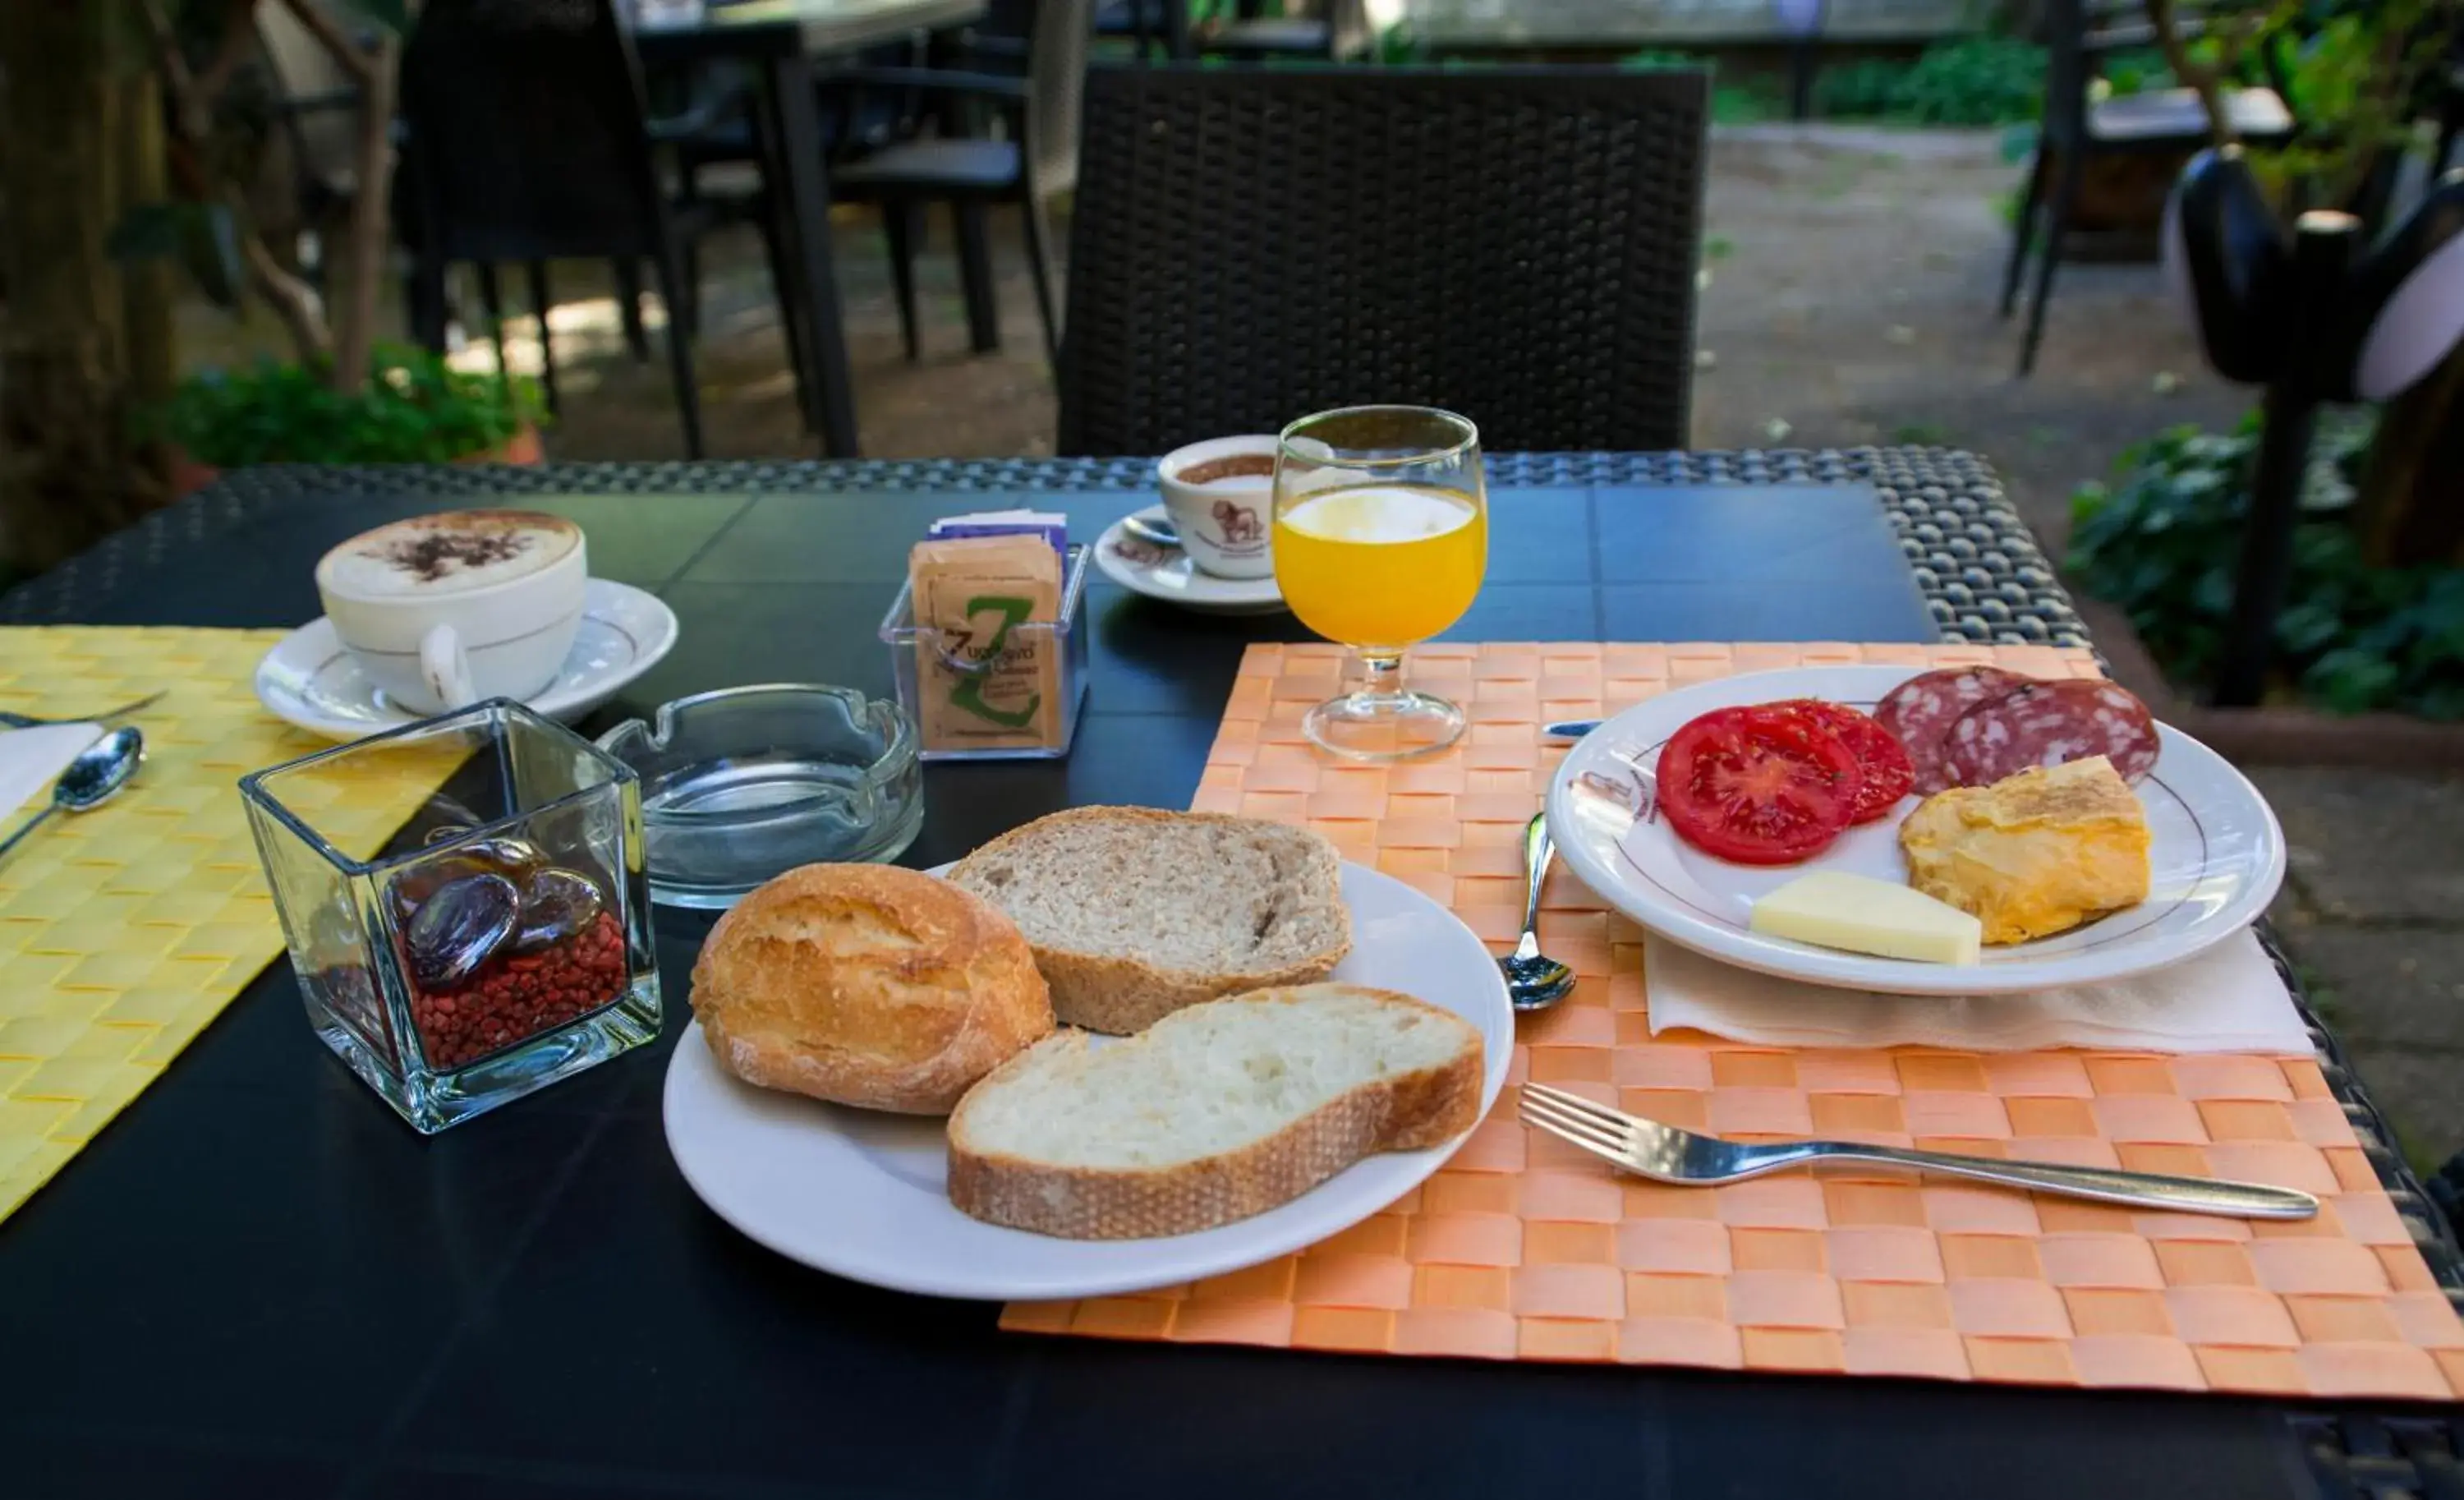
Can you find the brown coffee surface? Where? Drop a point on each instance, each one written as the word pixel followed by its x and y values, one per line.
pixel 451 552
pixel 1231 466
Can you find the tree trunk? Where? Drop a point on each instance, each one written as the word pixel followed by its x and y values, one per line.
pixel 67 476
pixel 148 299
pixel 360 276
pixel 2411 509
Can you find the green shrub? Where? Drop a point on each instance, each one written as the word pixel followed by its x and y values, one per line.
pixel 415 409
pixel 2163 542
pixel 1865 88
pixel 1973 80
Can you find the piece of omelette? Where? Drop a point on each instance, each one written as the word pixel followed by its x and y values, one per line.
pixel 2032 854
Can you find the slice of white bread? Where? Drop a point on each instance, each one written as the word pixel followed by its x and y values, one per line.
pixel 1134 913
pixel 1215 1113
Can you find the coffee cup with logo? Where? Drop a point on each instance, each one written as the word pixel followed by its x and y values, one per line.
pixel 1221 496
pixel 447 610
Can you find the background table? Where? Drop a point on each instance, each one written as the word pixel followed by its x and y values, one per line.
pixel 784 40
pixel 259 1282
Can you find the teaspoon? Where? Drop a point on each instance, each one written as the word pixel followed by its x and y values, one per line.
pixel 94 778
pixel 1162 533
pixel 1535 980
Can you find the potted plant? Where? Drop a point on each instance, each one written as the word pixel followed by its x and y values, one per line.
pixel 413 407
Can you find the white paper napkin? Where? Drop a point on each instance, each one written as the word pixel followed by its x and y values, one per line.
pixel 2228 1000
pixel 30 760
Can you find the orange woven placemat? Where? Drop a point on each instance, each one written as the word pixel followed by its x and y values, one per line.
pixel 1523 1247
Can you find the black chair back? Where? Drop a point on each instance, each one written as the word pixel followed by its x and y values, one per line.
pixel 1515 244
pixel 527 132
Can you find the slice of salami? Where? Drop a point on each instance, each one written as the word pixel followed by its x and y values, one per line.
pixel 2052 723
pixel 1919 714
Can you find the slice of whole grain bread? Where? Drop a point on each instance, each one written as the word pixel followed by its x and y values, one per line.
pixel 1136 912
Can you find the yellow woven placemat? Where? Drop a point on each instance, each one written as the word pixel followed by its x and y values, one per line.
pixel 124 930
pixel 1522 1247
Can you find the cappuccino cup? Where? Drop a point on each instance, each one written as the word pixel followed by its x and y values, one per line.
pixel 1221 497
pixel 444 611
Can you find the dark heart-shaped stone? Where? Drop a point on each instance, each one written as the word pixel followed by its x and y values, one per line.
pixel 457 927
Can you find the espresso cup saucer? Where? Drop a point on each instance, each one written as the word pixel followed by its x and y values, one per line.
pixel 1166 573
pixel 310 680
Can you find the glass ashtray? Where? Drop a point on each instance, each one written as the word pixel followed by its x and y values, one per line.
pixel 743 784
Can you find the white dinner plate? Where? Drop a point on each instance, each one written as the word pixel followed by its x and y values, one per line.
pixel 2217 856
pixel 1166 573
pixel 859 1194
pixel 310 680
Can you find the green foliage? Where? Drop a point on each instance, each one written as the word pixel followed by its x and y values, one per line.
pixel 1731 103
pixel 2137 71
pixel 1973 80
pixel 2165 542
pixel 414 409
pixel 1655 60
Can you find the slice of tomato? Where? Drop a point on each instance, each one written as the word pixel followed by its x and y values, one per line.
pixel 1888 773
pixel 1757 785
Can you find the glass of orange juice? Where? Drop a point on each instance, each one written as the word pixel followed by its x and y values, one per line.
pixel 1380 539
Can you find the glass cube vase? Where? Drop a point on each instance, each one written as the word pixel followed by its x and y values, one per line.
pixel 499 940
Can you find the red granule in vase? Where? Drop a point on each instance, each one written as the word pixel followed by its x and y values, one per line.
pixel 511 999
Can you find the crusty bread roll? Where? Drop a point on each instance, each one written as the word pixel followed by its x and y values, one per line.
pixel 1215 1113
pixel 868 984
pixel 1136 912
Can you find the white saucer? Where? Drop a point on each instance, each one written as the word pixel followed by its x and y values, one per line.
pixel 310 680
pixel 1167 574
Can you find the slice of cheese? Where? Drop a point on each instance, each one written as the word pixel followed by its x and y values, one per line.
pixel 1831 909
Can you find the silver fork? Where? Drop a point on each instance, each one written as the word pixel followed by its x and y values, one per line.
pixel 9 720
pixel 1665 1154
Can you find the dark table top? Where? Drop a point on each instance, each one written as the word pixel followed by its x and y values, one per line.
pixel 259 1282
pixel 762 28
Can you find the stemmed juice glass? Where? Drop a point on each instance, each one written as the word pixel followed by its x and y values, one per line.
pixel 1380 539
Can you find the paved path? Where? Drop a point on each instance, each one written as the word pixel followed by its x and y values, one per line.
pixel 2373 909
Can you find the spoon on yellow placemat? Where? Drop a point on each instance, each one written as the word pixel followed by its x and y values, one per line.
pixel 94 778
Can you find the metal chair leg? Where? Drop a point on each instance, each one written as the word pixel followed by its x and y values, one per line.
pixel 628 305
pixel 680 366
pixel 491 301
pixel 1038 262
pixel 975 276
pixel 2057 223
pixel 424 308
pixel 898 219
pixel 541 304
pixel 2023 229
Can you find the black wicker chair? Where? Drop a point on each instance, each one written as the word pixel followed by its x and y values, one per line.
pixel 2079 128
pixel 1516 244
pixel 530 141
pixel 1034 159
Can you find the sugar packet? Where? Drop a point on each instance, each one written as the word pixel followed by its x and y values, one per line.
pixel 1051 525
pixel 982 682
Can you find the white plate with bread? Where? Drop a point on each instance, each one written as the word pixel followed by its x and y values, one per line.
pixel 2201 851
pixel 1257 1047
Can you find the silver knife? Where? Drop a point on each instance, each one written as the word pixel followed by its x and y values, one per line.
pixel 1569 728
